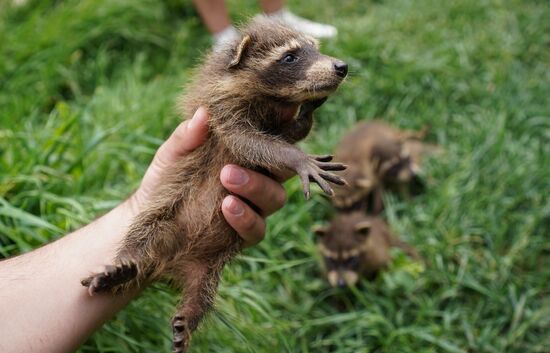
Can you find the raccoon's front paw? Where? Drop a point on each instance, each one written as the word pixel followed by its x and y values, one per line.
pixel 313 168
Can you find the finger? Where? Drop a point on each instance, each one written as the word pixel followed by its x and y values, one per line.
pixel 188 135
pixel 331 166
pixel 333 178
pixel 247 223
pixel 262 191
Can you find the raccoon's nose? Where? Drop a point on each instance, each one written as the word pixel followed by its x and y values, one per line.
pixel 341 283
pixel 341 68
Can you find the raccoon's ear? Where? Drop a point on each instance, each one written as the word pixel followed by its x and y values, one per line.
pixel 363 227
pixel 320 231
pixel 239 51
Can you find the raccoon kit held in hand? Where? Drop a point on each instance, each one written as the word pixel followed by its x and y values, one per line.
pixel 260 93
pixel 356 245
pixel 378 157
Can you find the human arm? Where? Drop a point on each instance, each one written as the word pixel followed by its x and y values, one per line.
pixel 43 307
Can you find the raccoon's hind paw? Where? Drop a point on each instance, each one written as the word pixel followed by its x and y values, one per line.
pixel 314 168
pixel 110 278
pixel 182 335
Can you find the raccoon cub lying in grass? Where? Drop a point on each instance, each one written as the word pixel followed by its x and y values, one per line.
pixel 260 92
pixel 356 245
pixel 357 241
pixel 379 157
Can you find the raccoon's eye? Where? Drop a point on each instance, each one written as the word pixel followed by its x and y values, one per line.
pixel 289 58
pixel 352 261
pixel 330 263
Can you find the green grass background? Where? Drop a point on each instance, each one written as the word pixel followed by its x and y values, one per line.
pixel 87 92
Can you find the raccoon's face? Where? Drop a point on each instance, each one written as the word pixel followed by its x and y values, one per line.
pixel 399 169
pixel 286 65
pixel 392 162
pixel 343 246
pixel 295 71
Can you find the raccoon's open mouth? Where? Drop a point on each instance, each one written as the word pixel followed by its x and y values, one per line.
pixel 289 112
pixel 292 111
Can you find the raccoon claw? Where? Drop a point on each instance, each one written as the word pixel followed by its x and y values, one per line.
pixel 323 158
pixel 314 168
pixel 111 277
pixel 181 335
pixel 335 179
pixel 331 166
pixel 305 185
pixel 322 184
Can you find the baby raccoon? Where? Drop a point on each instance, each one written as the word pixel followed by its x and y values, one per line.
pixel 378 156
pixel 260 92
pixel 356 245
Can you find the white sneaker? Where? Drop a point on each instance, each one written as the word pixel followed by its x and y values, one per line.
pixel 18 3
pixel 318 30
pixel 221 39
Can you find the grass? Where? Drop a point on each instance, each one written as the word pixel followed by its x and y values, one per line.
pixel 86 96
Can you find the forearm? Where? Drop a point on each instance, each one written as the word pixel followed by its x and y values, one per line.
pixel 283 160
pixel 43 306
pixel 261 150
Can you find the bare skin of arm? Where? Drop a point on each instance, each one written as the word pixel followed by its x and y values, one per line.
pixel 216 18
pixel 43 306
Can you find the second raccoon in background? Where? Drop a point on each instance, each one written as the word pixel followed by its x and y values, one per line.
pixel 379 157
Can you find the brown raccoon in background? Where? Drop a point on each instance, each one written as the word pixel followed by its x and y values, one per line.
pixel 260 92
pixel 356 245
pixel 378 156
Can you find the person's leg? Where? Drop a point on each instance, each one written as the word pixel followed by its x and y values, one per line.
pixel 214 14
pixel 216 18
pixel 276 9
pixel 271 6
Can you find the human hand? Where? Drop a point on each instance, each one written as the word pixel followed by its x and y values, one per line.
pixel 265 193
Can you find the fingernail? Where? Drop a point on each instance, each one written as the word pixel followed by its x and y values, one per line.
pixel 235 207
pixel 236 176
pixel 192 122
pixel 195 117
